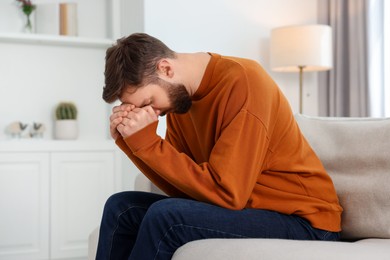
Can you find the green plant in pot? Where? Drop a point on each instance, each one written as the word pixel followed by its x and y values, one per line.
pixel 66 126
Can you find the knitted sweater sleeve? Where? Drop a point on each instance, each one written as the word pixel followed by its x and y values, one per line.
pixel 227 179
pixel 165 186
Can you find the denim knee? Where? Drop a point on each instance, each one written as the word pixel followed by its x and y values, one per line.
pixel 164 213
pixel 113 203
pixel 171 207
pixel 125 199
pixel 159 208
pixel 162 226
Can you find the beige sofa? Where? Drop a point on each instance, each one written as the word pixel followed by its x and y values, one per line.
pixel 356 153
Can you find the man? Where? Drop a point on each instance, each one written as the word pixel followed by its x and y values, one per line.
pixel 233 160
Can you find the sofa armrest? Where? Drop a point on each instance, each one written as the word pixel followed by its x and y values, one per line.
pixel 92 244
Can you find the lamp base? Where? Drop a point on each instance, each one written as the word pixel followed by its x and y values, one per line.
pixel 301 88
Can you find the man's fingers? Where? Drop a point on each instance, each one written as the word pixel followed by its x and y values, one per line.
pixel 118 114
pixel 127 107
pixel 120 128
pixel 116 109
pixel 123 107
pixel 133 115
pixel 120 124
pixel 113 127
pixel 153 113
pixel 114 124
pixel 135 120
pixel 129 122
pixel 116 121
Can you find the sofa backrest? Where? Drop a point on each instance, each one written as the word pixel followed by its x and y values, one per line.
pixel 356 154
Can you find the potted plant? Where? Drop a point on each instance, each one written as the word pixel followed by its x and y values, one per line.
pixel 66 127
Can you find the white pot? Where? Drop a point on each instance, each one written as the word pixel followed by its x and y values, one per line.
pixel 66 129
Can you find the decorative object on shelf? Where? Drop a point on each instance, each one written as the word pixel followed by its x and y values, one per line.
pixel 27 8
pixel 37 130
pixel 66 127
pixel 17 130
pixel 68 19
pixel 301 48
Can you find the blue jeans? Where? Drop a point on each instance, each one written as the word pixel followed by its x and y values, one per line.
pixel 140 225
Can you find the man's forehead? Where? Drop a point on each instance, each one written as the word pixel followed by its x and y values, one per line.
pixel 130 95
pixel 127 90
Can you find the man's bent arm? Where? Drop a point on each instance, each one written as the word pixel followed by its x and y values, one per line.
pixel 227 179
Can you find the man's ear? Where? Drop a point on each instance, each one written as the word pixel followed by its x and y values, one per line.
pixel 164 68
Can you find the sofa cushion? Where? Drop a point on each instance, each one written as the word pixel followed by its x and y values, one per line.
pixel 283 249
pixel 356 154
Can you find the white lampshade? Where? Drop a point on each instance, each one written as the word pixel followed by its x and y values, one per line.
pixel 307 46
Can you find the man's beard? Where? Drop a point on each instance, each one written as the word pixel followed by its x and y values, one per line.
pixel 178 97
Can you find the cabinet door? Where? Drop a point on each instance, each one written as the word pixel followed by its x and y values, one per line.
pixel 81 184
pixel 24 206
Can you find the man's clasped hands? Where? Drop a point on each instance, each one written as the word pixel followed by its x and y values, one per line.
pixel 126 119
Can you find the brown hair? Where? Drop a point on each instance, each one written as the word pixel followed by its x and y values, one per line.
pixel 132 61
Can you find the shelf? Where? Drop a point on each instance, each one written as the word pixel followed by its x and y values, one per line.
pixel 55 40
pixel 37 145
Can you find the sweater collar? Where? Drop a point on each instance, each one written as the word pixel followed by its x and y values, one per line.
pixel 204 86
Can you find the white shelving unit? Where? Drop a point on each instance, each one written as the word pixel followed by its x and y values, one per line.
pixel 52 195
pixel 72 64
pixel 24 38
pixel 52 192
pixel 38 145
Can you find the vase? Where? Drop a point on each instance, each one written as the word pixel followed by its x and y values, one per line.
pixel 68 19
pixel 28 27
pixel 66 129
pixel 28 9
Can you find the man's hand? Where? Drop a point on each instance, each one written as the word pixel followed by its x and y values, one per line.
pixel 127 119
pixel 116 118
pixel 136 119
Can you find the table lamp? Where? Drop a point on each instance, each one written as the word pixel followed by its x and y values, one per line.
pixel 301 48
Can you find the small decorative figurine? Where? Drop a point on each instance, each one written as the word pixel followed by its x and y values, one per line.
pixel 37 130
pixel 17 129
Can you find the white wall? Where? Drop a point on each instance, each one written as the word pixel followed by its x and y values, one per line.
pixel 237 28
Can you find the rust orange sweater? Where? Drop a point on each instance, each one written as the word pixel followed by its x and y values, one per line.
pixel 238 147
